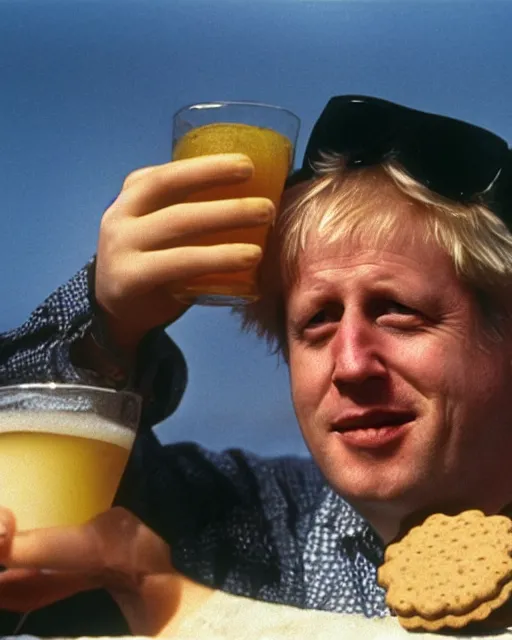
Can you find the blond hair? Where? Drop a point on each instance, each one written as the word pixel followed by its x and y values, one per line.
pixel 358 204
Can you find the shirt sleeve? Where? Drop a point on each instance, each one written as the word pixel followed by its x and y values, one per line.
pixel 39 351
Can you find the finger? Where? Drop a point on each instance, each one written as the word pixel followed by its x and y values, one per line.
pixel 132 178
pixel 173 182
pixel 114 541
pixel 180 223
pixel 25 590
pixel 139 174
pixel 60 548
pixel 181 263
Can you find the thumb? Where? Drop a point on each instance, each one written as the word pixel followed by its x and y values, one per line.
pixel 115 545
pixel 72 548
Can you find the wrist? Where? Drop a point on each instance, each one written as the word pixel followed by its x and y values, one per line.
pixel 108 332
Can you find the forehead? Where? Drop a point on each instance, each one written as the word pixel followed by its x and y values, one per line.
pixel 408 257
pixel 395 231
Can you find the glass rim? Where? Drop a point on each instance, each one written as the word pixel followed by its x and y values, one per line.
pixel 69 386
pixel 217 104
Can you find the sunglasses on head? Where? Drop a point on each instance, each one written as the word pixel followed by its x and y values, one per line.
pixel 455 159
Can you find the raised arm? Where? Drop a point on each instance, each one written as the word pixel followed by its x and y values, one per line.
pixel 57 343
pixel 105 326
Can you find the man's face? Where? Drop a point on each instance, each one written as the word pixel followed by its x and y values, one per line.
pixel 400 395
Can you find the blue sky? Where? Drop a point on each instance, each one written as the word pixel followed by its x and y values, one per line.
pixel 87 91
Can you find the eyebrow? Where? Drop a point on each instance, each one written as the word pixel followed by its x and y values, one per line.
pixel 321 291
pixel 308 303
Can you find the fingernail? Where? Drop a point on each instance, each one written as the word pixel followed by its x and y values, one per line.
pixel 269 211
pixel 244 168
pixel 251 255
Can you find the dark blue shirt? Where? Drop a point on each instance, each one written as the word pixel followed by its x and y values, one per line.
pixel 266 528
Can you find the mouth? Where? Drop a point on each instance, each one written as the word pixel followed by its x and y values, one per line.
pixel 373 429
pixel 373 420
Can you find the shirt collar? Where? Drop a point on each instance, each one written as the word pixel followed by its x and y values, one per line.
pixel 336 514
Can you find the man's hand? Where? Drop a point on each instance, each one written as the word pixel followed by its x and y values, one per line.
pixel 115 551
pixel 148 236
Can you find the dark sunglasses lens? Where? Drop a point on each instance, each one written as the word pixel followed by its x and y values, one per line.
pixel 452 158
pixel 363 131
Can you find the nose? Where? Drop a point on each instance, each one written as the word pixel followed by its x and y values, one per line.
pixel 355 352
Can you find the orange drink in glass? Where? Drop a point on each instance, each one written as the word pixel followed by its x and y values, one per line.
pixel 266 134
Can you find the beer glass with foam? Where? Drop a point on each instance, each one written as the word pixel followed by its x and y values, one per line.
pixel 63 450
pixel 265 133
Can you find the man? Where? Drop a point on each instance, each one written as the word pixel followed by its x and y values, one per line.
pixel 386 286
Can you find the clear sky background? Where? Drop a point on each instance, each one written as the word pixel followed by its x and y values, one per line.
pixel 87 91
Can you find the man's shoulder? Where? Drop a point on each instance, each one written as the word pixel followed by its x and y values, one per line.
pixel 236 463
pixel 279 483
pixel 183 486
pixel 297 478
pixel 250 513
pixel 235 475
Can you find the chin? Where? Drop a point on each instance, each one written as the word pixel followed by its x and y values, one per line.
pixel 394 471
pixel 387 485
pixel 373 494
